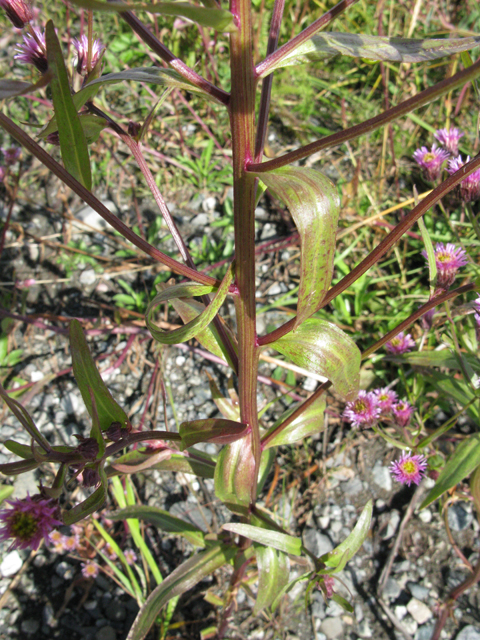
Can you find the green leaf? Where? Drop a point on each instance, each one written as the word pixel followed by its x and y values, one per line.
pixel 16 468
pixel 338 558
pixel 273 574
pixel 281 541
pixel 342 602
pixel 314 204
pixel 235 472
pixel 92 126
pixel 215 430
pixel 163 520
pixel 73 145
pixel 443 358
pixel 459 390
pixel 6 491
pixel 327 44
pixel 324 349
pixel 218 19
pixel 87 377
pixel 150 75
pixel 189 309
pixel 186 576
pixel 79 99
pixel 93 503
pixel 201 322
pixel 266 462
pixel 20 450
pixel 25 419
pixel 199 464
pixel 307 424
pixel 460 465
pixel 225 405
pixel 11 88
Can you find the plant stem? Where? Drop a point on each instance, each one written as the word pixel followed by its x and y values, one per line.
pixel 242 123
pixel 402 109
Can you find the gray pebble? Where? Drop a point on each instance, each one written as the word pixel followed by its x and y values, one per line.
pixel 424 632
pixel 30 626
pixel 106 633
pixel 364 630
pixel 381 477
pixel 392 589
pixel 459 517
pixel 116 611
pixel 418 591
pixel 64 570
pixel 419 611
pixel 11 564
pixel 332 628
pixel 353 487
pixel 469 632
pixel 316 542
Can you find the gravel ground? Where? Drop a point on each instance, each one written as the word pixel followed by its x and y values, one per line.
pixel 43 595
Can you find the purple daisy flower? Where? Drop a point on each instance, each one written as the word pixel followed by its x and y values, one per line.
pixel 401 343
pixel 409 468
pixel 81 54
pixel 431 160
pixel 449 138
pixel 385 399
pixel 33 50
pixel 364 411
pixel 130 556
pixel 476 304
pixel 18 12
pixel 90 569
pixel 470 187
pixel 29 521
pixel 402 412
pixel 448 259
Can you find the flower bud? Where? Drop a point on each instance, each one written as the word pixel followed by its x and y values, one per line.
pixel 18 12
pixel 88 448
pixel 91 477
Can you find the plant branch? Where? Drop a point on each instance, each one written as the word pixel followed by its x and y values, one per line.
pixel 264 67
pixel 439 192
pixel 87 196
pixel 165 54
pixel 402 109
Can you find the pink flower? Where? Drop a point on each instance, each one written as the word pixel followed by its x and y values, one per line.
pixel 57 538
pixel 29 521
pixel 34 50
pixel 470 187
pixel 3 173
pixel 476 304
pixel 448 259
pixel 11 154
pixel 18 12
pixel 402 412
pixel 431 161
pixel 81 56
pixel 90 569
pixel 130 556
pixel 401 343
pixel 385 399
pixel 71 543
pixel 409 468
pixel 449 138
pixel 364 411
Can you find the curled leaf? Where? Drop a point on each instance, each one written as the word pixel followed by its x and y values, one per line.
pixel 215 430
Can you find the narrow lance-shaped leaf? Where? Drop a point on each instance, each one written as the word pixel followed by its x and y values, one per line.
pixel 11 88
pixel 322 348
pixel 87 377
pixel 186 576
pixel 218 19
pixel 163 520
pixel 327 44
pixel 73 144
pixel 313 201
pixel 235 472
pixel 79 99
pixel 307 424
pixel 338 558
pixel 25 419
pixel 281 541
pixel 215 430
pixel 459 466
pixel 273 575
pixel 198 324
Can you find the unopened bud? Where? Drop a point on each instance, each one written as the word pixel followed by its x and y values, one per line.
pixel 133 128
pixel 18 12
pixel 88 448
pixel 91 477
pixel 115 432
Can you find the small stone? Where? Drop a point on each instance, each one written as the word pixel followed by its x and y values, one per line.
pixel 353 487
pixel 393 522
pixel 400 611
pixel 64 570
pixel 391 590
pixel 106 633
pixel 425 632
pixel 91 218
pixel 30 626
pixel 88 277
pixel 381 477
pixel 425 516
pixel 459 517
pixel 116 611
pixel 70 403
pixel 48 616
pixel 332 628
pixel 11 564
pixel 316 542
pixel 410 625
pixel 201 220
pixel 418 591
pixel 419 611
pixel 358 612
pixel 209 204
pixel 364 630
pixel 469 632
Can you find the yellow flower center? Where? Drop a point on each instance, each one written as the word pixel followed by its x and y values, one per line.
pixel 23 525
pixel 409 467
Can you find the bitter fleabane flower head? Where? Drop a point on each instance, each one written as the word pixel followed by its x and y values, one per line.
pixel 448 259
pixel 364 411
pixel 469 187
pixel 18 12
pixel 90 569
pixel 81 54
pixel 409 468
pixel 431 160
pixel 33 50
pixel 449 138
pixel 476 305
pixel 402 412
pixel 401 343
pixel 386 398
pixel 28 521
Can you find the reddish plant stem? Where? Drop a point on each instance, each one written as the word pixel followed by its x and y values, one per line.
pixel 87 196
pixel 264 67
pixel 242 123
pixel 439 192
pixel 165 54
pixel 459 79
